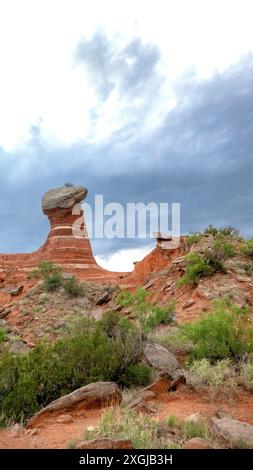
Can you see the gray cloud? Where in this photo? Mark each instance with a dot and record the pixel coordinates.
(131, 70)
(201, 155)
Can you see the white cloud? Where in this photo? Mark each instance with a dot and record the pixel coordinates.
(122, 260)
(38, 38)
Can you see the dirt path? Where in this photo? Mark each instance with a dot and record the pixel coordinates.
(181, 404)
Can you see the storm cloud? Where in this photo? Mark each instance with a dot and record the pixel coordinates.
(200, 153)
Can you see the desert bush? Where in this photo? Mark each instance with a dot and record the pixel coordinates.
(219, 376)
(75, 288)
(211, 261)
(45, 269)
(52, 282)
(224, 249)
(2, 336)
(228, 231)
(196, 267)
(135, 375)
(148, 315)
(193, 238)
(247, 248)
(247, 375)
(224, 332)
(86, 354)
(141, 430)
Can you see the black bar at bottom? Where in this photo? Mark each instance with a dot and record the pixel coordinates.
(68, 458)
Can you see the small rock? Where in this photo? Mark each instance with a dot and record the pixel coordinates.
(83, 302)
(193, 418)
(67, 276)
(15, 290)
(39, 332)
(19, 347)
(31, 432)
(65, 419)
(103, 298)
(60, 324)
(189, 303)
(243, 279)
(197, 443)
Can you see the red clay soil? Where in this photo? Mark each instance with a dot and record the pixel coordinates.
(181, 404)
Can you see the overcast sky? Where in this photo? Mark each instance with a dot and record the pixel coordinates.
(136, 100)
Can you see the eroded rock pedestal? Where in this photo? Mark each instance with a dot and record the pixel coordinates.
(68, 245)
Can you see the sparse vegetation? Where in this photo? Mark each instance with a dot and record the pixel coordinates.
(53, 282)
(247, 248)
(141, 430)
(247, 375)
(209, 262)
(225, 332)
(219, 377)
(2, 336)
(75, 288)
(193, 238)
(191, 429)
(86, 354)
(228, 231)
(146, 313)
(196, 267)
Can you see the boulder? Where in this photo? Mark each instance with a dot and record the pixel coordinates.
(233, 432)
(164, 362)
(105, 443)
(94, 395)
(64, 198)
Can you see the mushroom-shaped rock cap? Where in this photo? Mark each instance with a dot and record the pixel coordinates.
(63, 198)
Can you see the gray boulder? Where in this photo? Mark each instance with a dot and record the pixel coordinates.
(235, 433)
(63, 198)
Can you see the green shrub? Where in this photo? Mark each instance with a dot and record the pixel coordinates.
(136, 375)
(86, 354)
(228, 231)
(46, 269)
(148, 315)
(247, 375)
(247, 248)
(196, 268)
(223, 249)
(193, 238)
(75, 288)
(224, 332)
(52, 282)
(191, 429)
(2, 336)
(171, 421)
(219, 376)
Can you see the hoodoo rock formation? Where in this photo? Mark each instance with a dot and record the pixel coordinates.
(68, 245)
